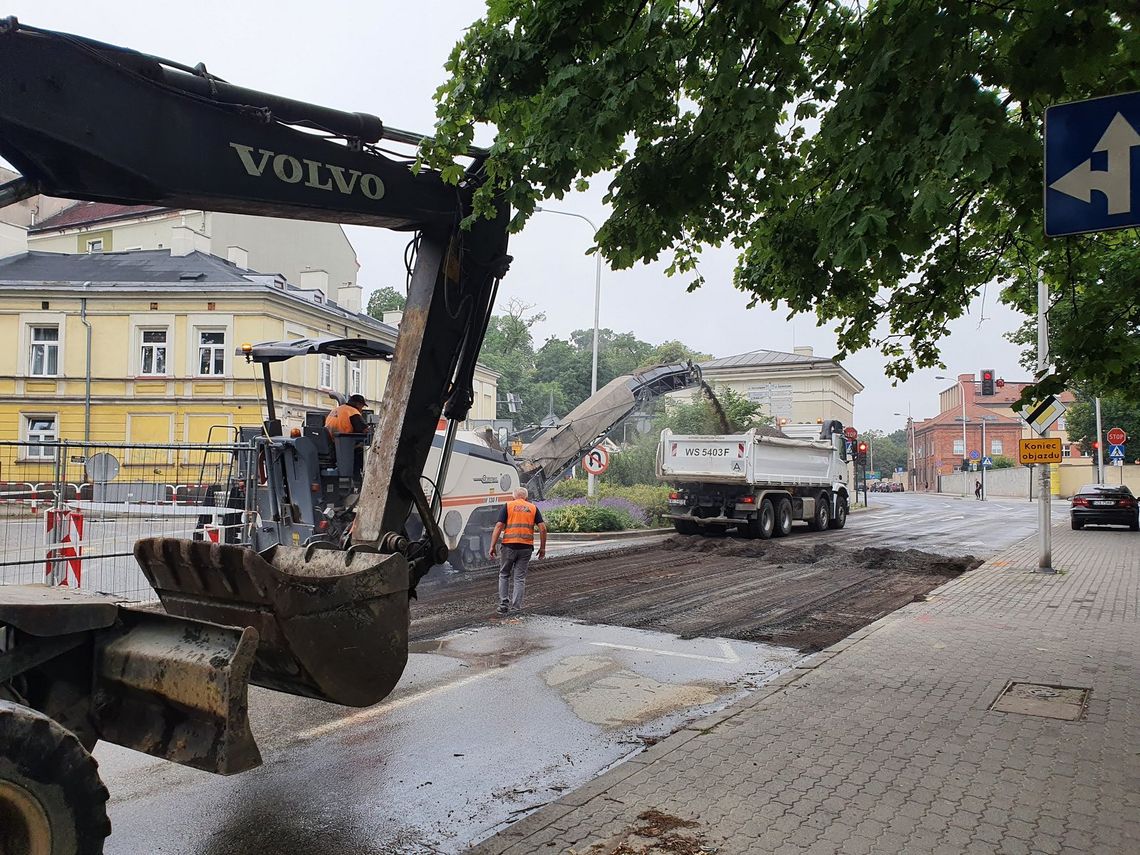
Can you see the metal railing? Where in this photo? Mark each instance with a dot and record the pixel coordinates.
(71, 512)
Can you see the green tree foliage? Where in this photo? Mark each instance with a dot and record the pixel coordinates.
(561, 368)
(637, 461)
(385, 300)
(889, 450)
(1115, 411)
(878, 164)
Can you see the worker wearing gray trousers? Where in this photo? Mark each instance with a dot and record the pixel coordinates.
(517, 522)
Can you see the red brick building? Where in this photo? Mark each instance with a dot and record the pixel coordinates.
(937, 443)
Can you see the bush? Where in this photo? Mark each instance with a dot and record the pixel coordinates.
(587, 518)
(568, 488)
(653, 499)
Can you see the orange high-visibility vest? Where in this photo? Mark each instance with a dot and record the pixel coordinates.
(520, 523)
(340, 420)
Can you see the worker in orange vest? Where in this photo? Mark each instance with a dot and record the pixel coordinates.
(517, 522)
(348, 417)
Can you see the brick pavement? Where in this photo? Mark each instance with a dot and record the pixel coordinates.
(885, 742)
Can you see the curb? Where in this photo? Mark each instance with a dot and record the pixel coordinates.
(587, 536)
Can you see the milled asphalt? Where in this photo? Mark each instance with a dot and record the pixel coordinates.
(886, 742)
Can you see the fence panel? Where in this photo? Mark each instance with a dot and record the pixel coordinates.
(71, 512)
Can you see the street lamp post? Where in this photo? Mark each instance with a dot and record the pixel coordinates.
(590, 489)
(962, 396)
(912, 466)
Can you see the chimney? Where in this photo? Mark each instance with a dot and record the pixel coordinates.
(348, 296)
(393, 319)
(315, 280)
(238, 257)
(804, 350)
(184, 240)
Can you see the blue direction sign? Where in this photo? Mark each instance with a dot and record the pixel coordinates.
(1116, 452)
(987, 462)
(1090, 148)
(974, 455)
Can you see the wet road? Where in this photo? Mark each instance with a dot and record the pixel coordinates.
(946, 525)
(487, 724)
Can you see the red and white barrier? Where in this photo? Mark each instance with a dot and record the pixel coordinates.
(65, 547)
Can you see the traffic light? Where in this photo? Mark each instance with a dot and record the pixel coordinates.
(987, 381)
(861, 451)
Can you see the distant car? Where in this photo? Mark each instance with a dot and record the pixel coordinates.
(1104, 504)
(896, 487)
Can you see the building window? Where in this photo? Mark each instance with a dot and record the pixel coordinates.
(959, 448)
(211, 353)
(40, 429)
(324, 380)
(1060, 425)
(153, 361)
(995, 446)
(95, 245)
(45, 351)
(355, 378)
(1066, 451)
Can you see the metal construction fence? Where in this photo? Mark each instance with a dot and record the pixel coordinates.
(71, 512)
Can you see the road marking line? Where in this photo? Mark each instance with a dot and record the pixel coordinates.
(399, 703)
(730, 656)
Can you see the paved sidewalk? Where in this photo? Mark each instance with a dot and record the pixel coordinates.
(885, 743)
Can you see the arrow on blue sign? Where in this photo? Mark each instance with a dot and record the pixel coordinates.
(1116, 452)
(1089, 180)
(988, 462)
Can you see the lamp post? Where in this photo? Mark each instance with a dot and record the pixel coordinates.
(590, 489)
(912, 466)
(962, 396)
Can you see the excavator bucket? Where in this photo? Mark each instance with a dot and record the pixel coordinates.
(332, 625)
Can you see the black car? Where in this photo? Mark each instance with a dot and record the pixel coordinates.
(1104, 504)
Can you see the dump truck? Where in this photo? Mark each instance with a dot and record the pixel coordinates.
(85, 120)
(757, 483)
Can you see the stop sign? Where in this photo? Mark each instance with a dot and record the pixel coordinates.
(852, 434)
(1117, 436)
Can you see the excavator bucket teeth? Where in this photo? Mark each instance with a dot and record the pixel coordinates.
(333, 625)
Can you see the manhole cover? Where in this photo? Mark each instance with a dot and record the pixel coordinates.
(1064, 702)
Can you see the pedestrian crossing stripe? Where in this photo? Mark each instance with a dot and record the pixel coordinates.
(1042, 415)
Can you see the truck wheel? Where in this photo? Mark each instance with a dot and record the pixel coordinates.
(51, 799)
(685, 527)
(840, 518)
(783, 518)
(764, 523)
(821, 519)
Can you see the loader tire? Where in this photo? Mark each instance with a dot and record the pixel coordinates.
(52, 801)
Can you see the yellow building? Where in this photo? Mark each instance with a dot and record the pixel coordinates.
(797, 387)
(140, 347)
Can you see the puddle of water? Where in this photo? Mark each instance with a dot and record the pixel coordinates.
(600, 691)
(499, 657)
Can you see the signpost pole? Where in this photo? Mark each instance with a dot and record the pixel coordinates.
(1099, 446)
(983, 464)
(1044, 535)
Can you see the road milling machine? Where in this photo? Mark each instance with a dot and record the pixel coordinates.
(85, 120)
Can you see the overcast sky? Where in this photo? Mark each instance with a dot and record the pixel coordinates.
(386, 58)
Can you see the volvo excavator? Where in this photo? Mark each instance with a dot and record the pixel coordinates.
(85, 120)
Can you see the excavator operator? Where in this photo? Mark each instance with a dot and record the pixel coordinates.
(348, 417)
